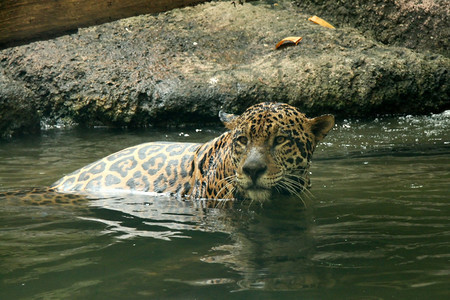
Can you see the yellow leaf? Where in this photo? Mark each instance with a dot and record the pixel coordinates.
(289, 40)
(321, 22)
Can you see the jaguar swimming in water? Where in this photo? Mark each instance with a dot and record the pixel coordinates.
(266, 150)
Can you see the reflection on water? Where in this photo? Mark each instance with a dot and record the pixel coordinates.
(376, 227)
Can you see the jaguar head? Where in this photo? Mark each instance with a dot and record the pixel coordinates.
(271, 148)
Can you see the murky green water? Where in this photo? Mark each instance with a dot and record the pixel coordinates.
(378, 226)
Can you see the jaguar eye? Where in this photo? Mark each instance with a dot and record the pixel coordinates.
(242, 140)
(280, 140)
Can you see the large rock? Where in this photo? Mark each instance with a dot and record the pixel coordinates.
(18, 113)
(184, 65)
(415, 24)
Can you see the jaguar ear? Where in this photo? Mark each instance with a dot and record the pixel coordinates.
(321, 125)
(227, 119)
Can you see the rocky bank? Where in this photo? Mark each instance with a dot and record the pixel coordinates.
(184, 65)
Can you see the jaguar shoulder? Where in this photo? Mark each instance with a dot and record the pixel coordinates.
(266, 150)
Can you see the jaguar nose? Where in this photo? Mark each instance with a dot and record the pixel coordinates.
(254, 169)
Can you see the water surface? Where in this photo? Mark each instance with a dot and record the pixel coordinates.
(376, 226)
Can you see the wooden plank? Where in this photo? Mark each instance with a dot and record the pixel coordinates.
(28, 20)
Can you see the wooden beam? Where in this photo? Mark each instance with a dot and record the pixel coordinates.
(23, 21)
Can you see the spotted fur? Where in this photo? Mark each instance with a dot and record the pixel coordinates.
(266, 150)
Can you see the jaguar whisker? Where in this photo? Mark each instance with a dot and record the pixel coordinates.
(291, 189)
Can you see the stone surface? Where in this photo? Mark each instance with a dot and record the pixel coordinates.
(183, 66)
(18, 113)
(415, 24)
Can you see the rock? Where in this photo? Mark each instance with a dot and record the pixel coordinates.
(17, 109)
(415, 24)
(183, 66)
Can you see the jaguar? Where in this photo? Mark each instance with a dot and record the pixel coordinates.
(266, 150)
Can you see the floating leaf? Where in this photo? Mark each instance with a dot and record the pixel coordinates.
(289, 40)
(321, 22)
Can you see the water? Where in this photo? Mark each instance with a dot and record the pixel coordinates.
(377, 226)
